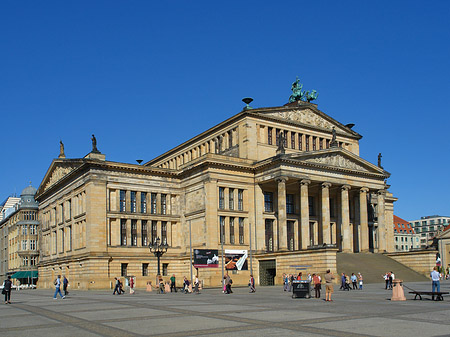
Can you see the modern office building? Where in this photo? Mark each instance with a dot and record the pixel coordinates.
(428, 227)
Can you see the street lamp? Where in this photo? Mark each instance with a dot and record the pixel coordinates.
(158, 249)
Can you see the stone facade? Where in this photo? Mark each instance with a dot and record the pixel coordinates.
(291, 205)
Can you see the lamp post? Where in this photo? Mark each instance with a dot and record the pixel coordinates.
(158, 249)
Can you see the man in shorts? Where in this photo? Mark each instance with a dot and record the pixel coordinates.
(329, 277)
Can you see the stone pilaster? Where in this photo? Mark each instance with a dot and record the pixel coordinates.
(304, 213)
(381, 222)
(345, 216)
(325, 214)
(281, 222)
(363, 220)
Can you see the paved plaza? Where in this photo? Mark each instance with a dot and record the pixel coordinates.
(268, 312)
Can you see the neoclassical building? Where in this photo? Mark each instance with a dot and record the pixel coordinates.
(286, 184)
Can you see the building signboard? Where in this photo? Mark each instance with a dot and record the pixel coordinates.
(236, 259)
(206, 258)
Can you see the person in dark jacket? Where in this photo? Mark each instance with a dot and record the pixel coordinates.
(7, 286)
(65, 285)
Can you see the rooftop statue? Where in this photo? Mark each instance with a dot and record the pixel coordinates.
(299, 95)
(311, 96)
(61, 150)
(379, 160)
(94, 144)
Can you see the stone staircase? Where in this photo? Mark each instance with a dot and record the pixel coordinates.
(372, 266)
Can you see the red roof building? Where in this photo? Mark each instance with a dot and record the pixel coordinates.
(404, 235)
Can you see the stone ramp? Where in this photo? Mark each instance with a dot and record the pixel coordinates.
(372, 266)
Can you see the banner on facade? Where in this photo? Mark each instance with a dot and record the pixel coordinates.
(236, 259)
(206, 258)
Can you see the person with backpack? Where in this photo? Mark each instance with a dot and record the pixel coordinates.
(7, 286)
(65, 285)
(117, 286)
(57, 284)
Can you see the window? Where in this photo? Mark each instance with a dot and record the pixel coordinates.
(221, 229)
(123, 232)
(24, 244)
(221, 198)
(300, 142)
(33, 261)
(311, 205)
(240, 200)
(144, 237)
(25, 260)
(269, 135)
(33, 229)
(269, 235)
(124, 267)
(145, 269)
(32, 244)
(241, 231)
(232, 230)
(164, 232)
(289, 203)
(292, 140)
(153, 203)
(306, 143)
(165, 268)
(133, 201)
(231, 198)
(320, 143)
(69, 208)
(123, 200)
(143, 202)
(277, 137)
(154, 230)
(230, 138)
(285, 140)
(24, 230)
(62, 212)
(290, 235)
(163, 204)
(268, 201)
(332, 210)
(314, 140)
(134, 232)
(62, 239)
(69, 228)
(327, 143)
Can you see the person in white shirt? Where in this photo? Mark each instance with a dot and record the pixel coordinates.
(435, 284)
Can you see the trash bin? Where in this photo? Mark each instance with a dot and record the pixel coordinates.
(301, 289)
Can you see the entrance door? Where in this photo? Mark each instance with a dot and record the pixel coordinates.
(267, 272)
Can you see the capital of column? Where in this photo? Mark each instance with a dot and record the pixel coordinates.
(345, 187)
(364, 190)
(305, 182)
(281, 180)
(381, 192)
(326, 185)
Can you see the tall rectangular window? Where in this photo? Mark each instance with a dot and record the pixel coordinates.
(290, 208)
(314, 140)
(33, 230)
(240, 200)
(165, 269)
(268, 201)
(145, 269)
(269, 135)
(332, 210)
(231, 198)
(277, 137)
(69, 228)
(144, 233)
(123, 232)
(221, 229)
(241, 231)
(33, 261)
(285, 140)
(24, 230)
(123, 201)
(25, 261)
(124, 269)
(133, 201)
(62, 239)
(327, 143)
(221, 198)
(269, 235)
(164, 232)
(311, 206)
(290, 235)
(320, 143)
(24, 244)
(163, 204)
(153, 203)
(300, 142)
(306, 143)
(154, 230)
(134, 232)
(62, 212)
(69, 209)
(292, 140)
(231, 230)
(230, 138)
(143, 202)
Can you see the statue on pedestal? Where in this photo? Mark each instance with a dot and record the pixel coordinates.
(94, 144)
(61, 150)
(379, 160)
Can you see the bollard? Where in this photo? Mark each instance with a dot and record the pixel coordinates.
(397, 291)
(149, 286)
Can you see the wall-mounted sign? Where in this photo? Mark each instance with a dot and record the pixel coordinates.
(236, 259)
(206, 258)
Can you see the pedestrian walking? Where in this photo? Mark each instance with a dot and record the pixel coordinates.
(435, 282)
(317, 285)
(196, 285)
(7, 286)
(251, 284)
(57, 284)
(360, 278)
(228, 282)
(65, 285)
(117, 286)
(173, 284)
(342, 282)
(131, 285)
(329, 277)
(354, 280)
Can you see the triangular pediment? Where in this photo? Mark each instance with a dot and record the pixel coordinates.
(307, 114)
(338, 158)
(59, 169)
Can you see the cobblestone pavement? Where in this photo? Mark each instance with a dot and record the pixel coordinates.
(268, 312)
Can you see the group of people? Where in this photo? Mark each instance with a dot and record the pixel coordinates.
(388, 278)
(65, 283)
(118, 288)
(289, 278)
(353, 282)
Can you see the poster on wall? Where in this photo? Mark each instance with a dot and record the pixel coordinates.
(206, 258)
(236, 259)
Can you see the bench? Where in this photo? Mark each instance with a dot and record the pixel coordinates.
(438, 294)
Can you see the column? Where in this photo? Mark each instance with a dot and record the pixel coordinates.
(281, 221)
(381, 222)
(325, 214)
(304, 213)
(345, 216)
(363, 220)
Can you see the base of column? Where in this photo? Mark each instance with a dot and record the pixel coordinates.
(347, 251)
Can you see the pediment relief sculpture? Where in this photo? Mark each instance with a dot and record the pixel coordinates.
(57, 174)
(337, 161)
(305, 116)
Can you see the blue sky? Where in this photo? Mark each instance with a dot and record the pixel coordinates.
(124, 70)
